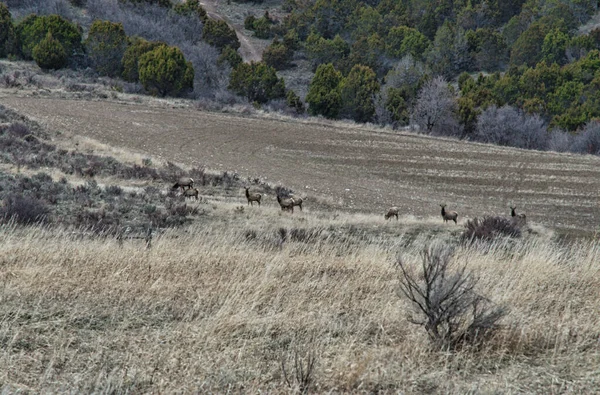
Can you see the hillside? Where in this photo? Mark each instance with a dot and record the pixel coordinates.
(353, 168)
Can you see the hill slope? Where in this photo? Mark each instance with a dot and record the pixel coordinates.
(357, 168)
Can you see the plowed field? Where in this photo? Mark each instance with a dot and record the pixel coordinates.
(360, 169)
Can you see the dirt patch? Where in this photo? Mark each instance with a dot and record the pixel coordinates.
(363, 170)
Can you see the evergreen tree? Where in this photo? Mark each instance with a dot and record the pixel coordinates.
(358, 91)
(324, 92)
(164, 71)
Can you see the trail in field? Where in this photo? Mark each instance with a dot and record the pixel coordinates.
(362, 170)
(247, 50)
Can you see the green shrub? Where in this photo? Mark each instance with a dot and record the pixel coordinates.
(130, 61)
(277, 55)
(162, 3)
(230, 56)
(294, 102)
(164, 71)
(249, 22)
(33, 29)
(8, 38)
(191, 8)
(106, 45)
(50, 54)
(324, 93)
(257, 82)
(357, 91)
(219, 34)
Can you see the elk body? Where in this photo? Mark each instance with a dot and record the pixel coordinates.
(192, 192)
(253, 197)
(287, 204)
(393, 211)
(520, 218)
(297, 201)
(449, 215)
(184, 183)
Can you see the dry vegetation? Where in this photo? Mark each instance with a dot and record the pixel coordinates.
(247, 298)
(217, 308)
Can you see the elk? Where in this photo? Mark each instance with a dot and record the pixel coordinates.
(183, 183)
(252, 197)
(287, 204)
(297, 201)
(393, 211)
(448, 215)
(521, 218)
(192, 192)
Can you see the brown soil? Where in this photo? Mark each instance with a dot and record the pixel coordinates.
(363, 170)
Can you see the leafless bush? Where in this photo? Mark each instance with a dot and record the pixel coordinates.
(490, 228)
(435, 109)
(301, 375)
(587, 141)
(511, 127)
(560, 141)
(24, 209)
(445, 301)
(22, 8)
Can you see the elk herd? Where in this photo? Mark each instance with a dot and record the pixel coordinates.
(287, 203)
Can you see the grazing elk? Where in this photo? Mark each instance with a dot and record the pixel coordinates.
(393, 211)
(184, 183)
(192, 192)
(449, 215)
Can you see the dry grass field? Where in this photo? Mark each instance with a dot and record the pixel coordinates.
(356, 168)
(220, 305)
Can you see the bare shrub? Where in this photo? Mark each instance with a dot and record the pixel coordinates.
(445, 301)
(24, 209)
(587, 141)
(301, 375)
(511, 127)
(559, 141)
(490, 228)
(435, 109)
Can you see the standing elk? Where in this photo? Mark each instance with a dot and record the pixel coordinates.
(287, 204)
(519, 218)
(448, 215)
(252, 197)
(192, 192)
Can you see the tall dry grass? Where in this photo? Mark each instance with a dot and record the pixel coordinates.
(217, 307)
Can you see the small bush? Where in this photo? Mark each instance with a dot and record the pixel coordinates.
(277, 55)
(445, 301)
(33, 29)
(294, 102)
(24, 210)
(130, 61)
(230, 56)
(219, 34)
(257, 81)
(490, 228)
(50, 54)
(8, 37)
(164, 71)
(106, 45)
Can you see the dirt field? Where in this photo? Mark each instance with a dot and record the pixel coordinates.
(362, 170)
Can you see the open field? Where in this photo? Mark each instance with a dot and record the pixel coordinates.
(354, 167)
(217, 308)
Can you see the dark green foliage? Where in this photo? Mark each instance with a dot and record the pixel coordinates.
(249, 22)
(162, 3)
(257, 82)
(403, 40)
(397, 106)
(291, 40)
(357, 91)
(366, 51)
(191, 8)
(294, 102)
(230, 56)
(277, 55)
(488, 48)
(554, 47)
(321, 50)
(8, 38)
(106, 45)
(527, 50)
(218, 34)
(164, 71)
(324, 96)
(450, 54)
(50, 54)
(33, 29)
(262, 26)
(130, 61)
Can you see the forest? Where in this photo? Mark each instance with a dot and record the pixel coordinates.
(518, 73)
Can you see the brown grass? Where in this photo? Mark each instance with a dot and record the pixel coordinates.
(212, 309)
